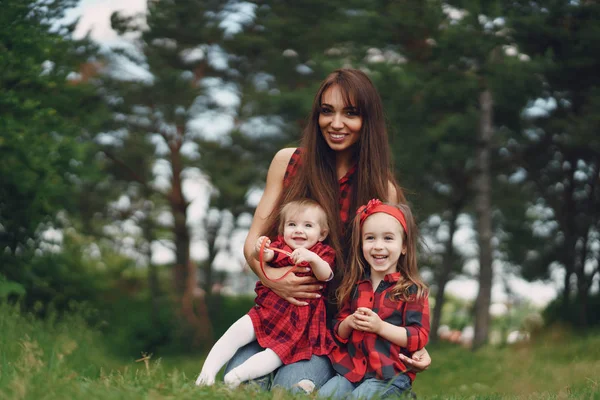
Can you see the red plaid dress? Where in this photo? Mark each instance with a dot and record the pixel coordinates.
(294, 333)
(345, 183)
(365, 354)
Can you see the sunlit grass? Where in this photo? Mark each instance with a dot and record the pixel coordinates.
(63, 359)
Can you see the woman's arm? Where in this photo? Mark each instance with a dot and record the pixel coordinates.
(292, 286)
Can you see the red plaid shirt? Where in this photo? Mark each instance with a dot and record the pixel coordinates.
(365, 354)
(293, 332)
(345, 183)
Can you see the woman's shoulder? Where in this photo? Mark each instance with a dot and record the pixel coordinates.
(283, 156)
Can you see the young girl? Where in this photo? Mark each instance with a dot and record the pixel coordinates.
(288, 333)
(384, 307)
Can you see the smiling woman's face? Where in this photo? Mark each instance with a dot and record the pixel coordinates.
(340, 124)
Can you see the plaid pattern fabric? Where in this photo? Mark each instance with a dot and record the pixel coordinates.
(366, 355)
(294, 333)
(345, 183)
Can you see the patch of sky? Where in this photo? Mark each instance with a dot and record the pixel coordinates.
(235, 16)
(533, 135)
(193, 55)
(160, 146)
(262, 126)
(518, 176)
(304, 69)
(262, 81)
(190, 150)
(540, 108)
(442, 188)
(254, 195)
(212, 125)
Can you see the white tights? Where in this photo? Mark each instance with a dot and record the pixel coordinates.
(238, 335)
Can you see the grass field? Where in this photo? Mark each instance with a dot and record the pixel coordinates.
(66, 360)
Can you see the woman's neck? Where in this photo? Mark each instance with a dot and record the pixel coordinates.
(344, 160)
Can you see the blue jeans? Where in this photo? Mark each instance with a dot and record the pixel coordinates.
(339, 387)
(300, 377)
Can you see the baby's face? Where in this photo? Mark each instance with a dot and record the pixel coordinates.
(302, 229)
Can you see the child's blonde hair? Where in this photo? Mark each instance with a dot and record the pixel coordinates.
(295, 206)
(407, 263)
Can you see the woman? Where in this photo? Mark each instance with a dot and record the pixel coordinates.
(343, 162)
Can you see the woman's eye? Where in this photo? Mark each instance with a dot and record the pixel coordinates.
(325, 110)
(352, 113)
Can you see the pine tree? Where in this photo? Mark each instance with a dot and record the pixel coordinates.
(45, 120)
(176, 42)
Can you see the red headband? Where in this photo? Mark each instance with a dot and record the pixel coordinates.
(376, 206)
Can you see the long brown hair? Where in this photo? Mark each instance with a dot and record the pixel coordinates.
(407, 263)
(316, 177)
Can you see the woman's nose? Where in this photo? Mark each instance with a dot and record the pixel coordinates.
(337, 122)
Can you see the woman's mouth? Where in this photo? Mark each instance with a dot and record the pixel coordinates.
(337, 137)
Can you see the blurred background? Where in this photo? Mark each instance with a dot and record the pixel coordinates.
(135, 137)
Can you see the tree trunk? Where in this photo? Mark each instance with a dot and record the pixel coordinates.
(585, 281)
(483, 210)
(153, 284)
(211, 238)
(193, 307)
(583, 284)
(444, 275)
(566, 220)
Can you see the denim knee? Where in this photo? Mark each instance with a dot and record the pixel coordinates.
(304, 376)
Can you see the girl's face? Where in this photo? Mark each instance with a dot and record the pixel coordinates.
(340, 125)
(382, 243)
(303, 229)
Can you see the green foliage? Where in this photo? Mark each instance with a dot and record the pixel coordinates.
(10, 288)
(56, 279)
(63, 358)
(132, 326)
(40, 148)
(225, 310)
(557, 313)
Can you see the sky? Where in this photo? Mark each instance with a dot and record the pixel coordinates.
(95, 18)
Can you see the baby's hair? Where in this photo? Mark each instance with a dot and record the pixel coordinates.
(407, 263)
(294, 206)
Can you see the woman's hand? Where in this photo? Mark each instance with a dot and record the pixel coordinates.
(292, 288)
(419, 361)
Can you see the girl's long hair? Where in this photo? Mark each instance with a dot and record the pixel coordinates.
(407, 263)
(316, 177)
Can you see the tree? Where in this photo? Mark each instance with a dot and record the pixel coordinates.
(44, 119)
(560, 152)
(176, 45)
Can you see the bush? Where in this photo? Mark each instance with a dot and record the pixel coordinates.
(556, 313)
(225, 310)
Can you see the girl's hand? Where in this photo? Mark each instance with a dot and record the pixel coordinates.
(301, 255)
(268, 254)
(367, 320)
(419, 361)
(292, 288)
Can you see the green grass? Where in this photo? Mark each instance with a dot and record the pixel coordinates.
(63, 359)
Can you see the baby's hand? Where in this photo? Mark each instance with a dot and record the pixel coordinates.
(302, 255)
(268, 254)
